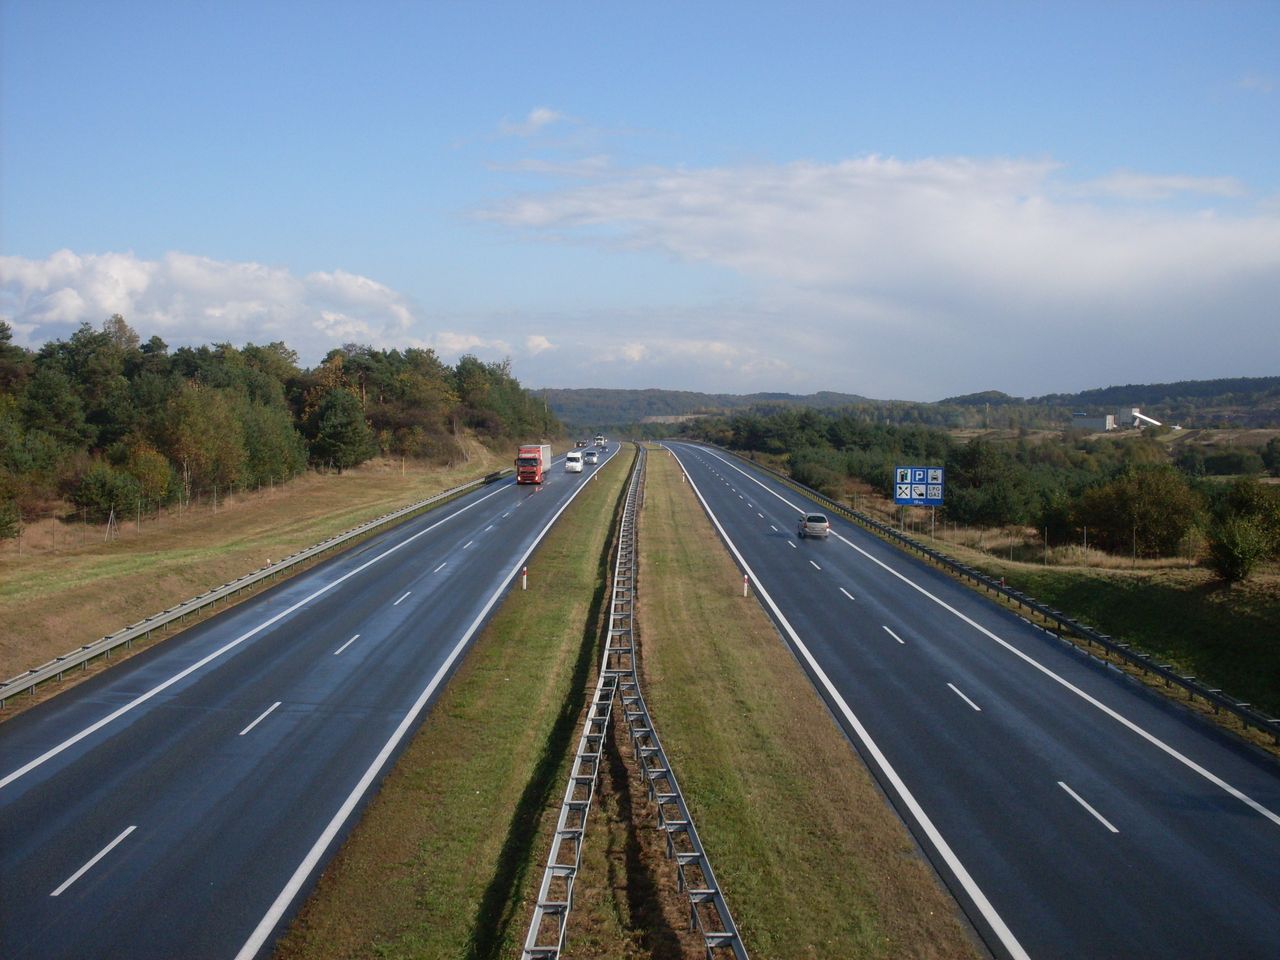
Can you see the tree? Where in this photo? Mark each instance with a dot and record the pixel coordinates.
(1147, 509)
(104, 488)
(205, 437)
(51, 405)
(1236, 546)
(341, 437)
(1271, 456)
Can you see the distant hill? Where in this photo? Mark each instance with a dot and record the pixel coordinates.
(599, 407)
(1238, 401)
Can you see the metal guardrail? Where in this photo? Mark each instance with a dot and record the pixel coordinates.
(1064, 627)
(708, 912)
(56, 667)
(549, 926)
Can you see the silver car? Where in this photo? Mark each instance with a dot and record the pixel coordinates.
(814, 525)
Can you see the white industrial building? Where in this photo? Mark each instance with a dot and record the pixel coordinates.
(1123, 419)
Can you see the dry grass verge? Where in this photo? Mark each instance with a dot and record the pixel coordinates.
(445, 859)
(813, 861)
(60, 601)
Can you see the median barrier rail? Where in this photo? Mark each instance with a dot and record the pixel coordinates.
(708, 911)
(55, 668)
(1064, 627)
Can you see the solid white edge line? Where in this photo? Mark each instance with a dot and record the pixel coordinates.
(956, 691)
(264, 715)
(998, 926)
(402, 599)
(182, 674)
(347, 644)
(101, 853)
(1080, 800)
(281, 904)
(1113, 714)
(895, 636)
(847, 593)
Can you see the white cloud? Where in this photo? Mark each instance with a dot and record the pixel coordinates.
(941, 275)
(452, 343)
(189, 299)
(536, 343)
(538, 119)
(1258, 83)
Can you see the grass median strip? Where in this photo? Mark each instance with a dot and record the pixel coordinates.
(812, 860)
(442, 861)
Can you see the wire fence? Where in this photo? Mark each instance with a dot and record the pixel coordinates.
(40, 533)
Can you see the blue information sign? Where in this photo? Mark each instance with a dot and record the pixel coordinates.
(917, 486)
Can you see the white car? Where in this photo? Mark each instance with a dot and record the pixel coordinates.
(573, 462)
(590, 456)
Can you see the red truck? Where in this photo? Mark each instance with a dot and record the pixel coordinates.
(532, 462)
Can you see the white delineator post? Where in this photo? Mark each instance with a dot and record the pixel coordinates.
(524, 579)
(745, 582)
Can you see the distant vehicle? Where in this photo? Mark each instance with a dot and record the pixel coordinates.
(573, 462)
(533, 460)
(814, 525)
(582, 443)
(600, 441)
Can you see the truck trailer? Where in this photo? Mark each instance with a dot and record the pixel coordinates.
(533, 461)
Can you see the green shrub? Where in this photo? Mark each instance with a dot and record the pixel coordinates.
(1236, 546)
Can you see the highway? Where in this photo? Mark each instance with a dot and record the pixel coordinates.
(182, 803)
(1072, 812)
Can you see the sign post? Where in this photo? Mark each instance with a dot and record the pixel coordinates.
(918, 486)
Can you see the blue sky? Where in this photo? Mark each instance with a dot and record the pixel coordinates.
(902, 201)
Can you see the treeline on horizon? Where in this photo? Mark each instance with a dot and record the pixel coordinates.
(104, 420)
(1130, 493)
(1228, 402)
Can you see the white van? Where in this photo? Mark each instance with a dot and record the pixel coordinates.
(573, 462)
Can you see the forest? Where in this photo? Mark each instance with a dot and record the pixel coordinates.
(1127, 495)
(103, 420)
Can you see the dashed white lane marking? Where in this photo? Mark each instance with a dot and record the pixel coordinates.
(1080, 800)
(488, 528)
(846, 593)
(773, 528)
(231, 645)
(290, 891)
(401, 600)
(956, 691)
(467, 544)
(999, 927)
(1037, 665)
(347, 644)
(101, 853)
(894, 635)
(760, 515)
(792, 545)
(441, 567)
(265, 713)
(814, 565)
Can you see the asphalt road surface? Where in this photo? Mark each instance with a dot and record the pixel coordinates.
(1072, 812)
(182, 803)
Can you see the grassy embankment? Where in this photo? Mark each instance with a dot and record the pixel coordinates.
(1228, 637)
(812, 860)
(446, 855)
(90, 587)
